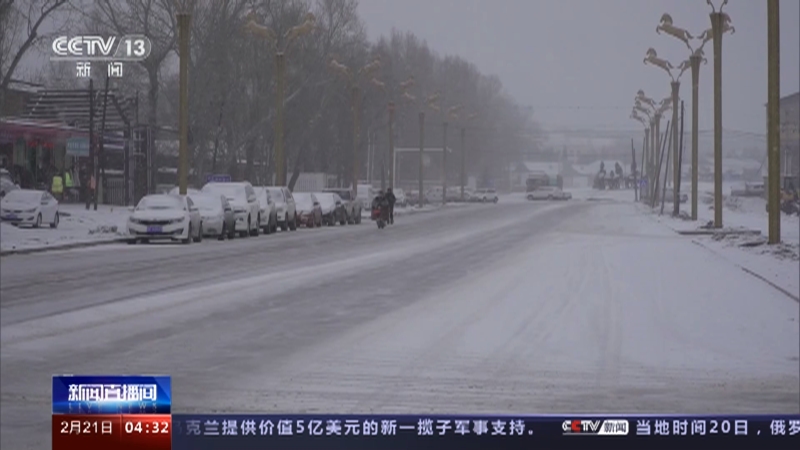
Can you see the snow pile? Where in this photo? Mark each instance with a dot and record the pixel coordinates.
(76, 225)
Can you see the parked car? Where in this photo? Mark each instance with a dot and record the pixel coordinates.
(548, 193)
(352, 206)
(487, 195)
(402, 201)
(332, 206)
(669, 195)
(364, 194)
(164, 216)
(269, 211)
(216, 215)
(286, 210)
(309, 211)
(6, 183)
(29, 207)
(244, 202)
(189, 191)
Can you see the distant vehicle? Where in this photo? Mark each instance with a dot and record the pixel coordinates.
(216, 215)
(244, 202)
(286, 210)
(750, 190)
(333, 209)
(269, 210)
(29, 207)
(309, 211)
(177, 191)
(402, 201)
(669, 195)
(364, 194)
(548, 193)
(487, 195)
(163, 216)
(352, 206)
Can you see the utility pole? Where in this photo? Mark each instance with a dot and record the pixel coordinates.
(676, 169)
(773, 121)
(88, 188)
(444, 163)
(356, 133)
(421, 153)
(716, 27)
(694, 60)
(184, 22)
(391, 144)
(280, 79)
(463, 164)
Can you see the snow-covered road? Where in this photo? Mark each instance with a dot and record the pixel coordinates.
(509, 308)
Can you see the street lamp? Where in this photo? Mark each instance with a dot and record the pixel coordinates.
(404, 87)
(464, 152)
(431, 103)
(653, 59)
(279, 45)
(649, 105)
(693, 63)
(646, 124)
(720, 24)
(354, 78)
(451, 113)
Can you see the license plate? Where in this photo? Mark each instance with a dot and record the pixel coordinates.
(154, 229)
(10, 217)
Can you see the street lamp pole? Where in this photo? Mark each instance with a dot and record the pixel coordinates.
(720, 22)
(464, 154)
(280, 78)
(773, 121)
(421, 152)
(184, 22)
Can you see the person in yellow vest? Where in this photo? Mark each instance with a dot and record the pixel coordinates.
(57, 187)
(68, 184)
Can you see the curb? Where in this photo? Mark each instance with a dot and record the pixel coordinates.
(25, 251)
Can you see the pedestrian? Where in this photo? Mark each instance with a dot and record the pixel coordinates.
(392, 200)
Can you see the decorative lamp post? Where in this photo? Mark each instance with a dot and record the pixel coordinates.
(279, 44)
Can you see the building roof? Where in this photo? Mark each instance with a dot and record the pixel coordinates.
(790, 97)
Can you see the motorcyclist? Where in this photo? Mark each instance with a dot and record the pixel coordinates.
(391, 199)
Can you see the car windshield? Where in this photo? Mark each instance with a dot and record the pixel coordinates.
(207, 202)
(303, 201)
(230, 191)
(325, 199)
(277, 194)
(158, 202)
(23, 196)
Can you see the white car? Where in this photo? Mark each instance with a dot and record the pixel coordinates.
(244, 202)
(400, 195)
(548, 193)
(285, 207)
(269, 211)
(164, 216)
(486, 195)
(29, 207)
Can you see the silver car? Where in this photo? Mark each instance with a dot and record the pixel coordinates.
(269, 210)
(216, 215)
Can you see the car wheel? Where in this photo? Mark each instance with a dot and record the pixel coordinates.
(55, 221)
(293, 224)
(223, 232)
(285, 225)
(188, 239)
(343, 220)
(131, 241)
(358, 218)
(38, 222)
(232, 231)
(199, 237)
(257, 229)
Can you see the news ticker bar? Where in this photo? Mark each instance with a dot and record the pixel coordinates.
(300, 432)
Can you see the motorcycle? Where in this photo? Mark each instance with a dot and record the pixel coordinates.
(380, 214)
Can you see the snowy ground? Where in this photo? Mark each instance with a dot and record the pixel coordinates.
(76, 225)
(518, 307)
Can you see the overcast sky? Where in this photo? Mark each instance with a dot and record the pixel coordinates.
(557, 55)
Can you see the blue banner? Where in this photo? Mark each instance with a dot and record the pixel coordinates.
(112, 394)
(331, 432)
